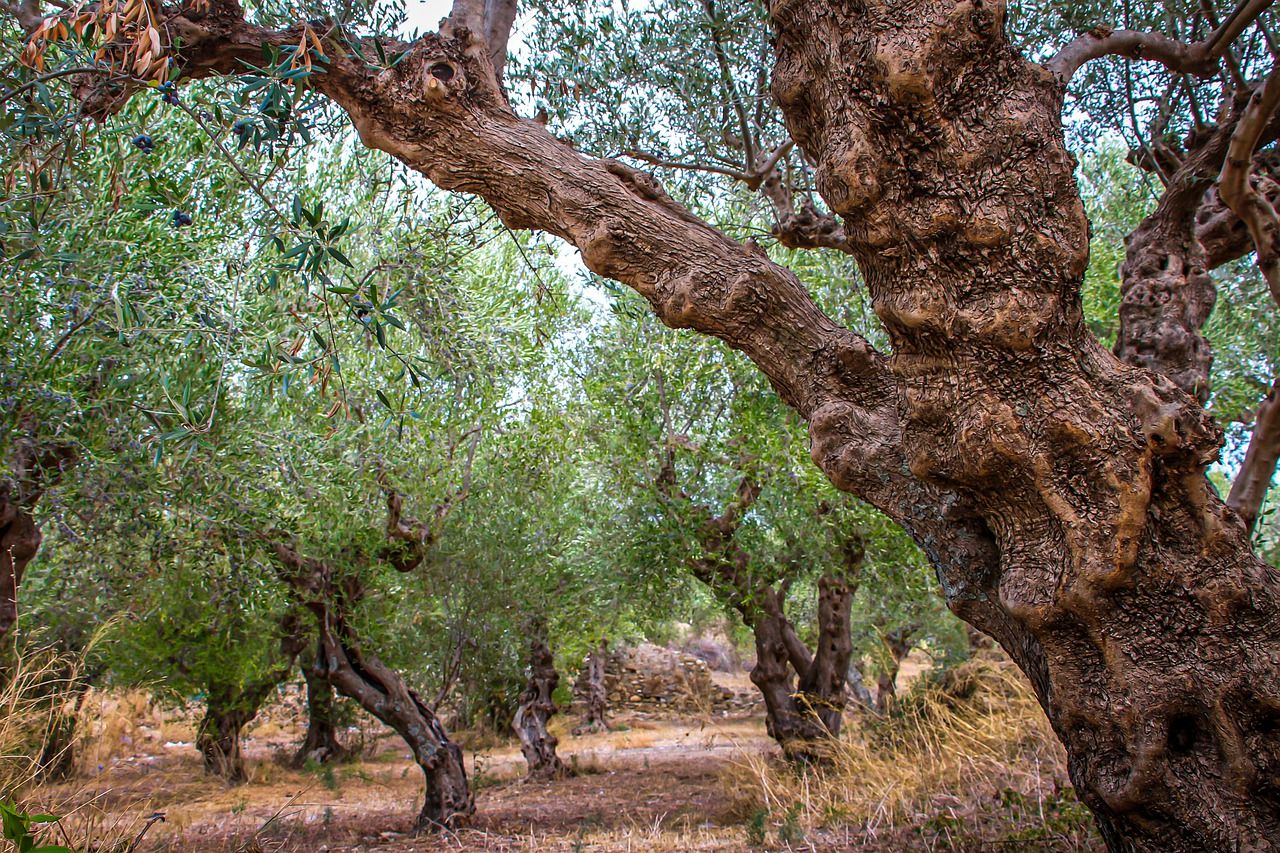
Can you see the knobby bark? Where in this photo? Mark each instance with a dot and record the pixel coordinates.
(1060, 493)
(1126, 587)
(321, 744)
(537, 707)
(596, 696)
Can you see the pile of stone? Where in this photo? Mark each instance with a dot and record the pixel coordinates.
(651, 679)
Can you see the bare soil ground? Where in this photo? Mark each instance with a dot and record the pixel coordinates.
(661, 785)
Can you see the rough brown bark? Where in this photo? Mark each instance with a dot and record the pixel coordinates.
(1250, 487)
(1060, 493)
(19, 541)
(597, 697)
(1089, 474)
(35, 467)
(321, 744)
(537, 707)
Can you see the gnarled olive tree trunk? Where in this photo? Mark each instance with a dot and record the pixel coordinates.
(230, 707)
(595, 695)
(321, 744)
(378, 689)
(804, 692)
(537, 707)
(1060, 493)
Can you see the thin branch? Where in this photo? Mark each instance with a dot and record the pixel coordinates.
(654, 160)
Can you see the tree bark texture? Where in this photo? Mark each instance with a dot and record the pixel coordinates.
(1060, 493)
(597, 696)
(537, 707)
(380, 690)
(321, 745)
(35, 467)
(19, 541)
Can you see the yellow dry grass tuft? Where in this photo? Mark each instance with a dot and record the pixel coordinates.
(965, 759)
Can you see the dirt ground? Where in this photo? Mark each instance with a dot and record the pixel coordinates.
(649, 785)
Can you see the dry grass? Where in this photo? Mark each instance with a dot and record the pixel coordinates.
(35, 690)
(964, 761)
(38, 692)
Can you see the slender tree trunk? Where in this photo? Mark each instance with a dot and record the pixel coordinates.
(897, 644)
(596, 696)
(1254, 480)
(320, 746)
(537, 707)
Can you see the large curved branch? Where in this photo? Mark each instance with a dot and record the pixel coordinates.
(1234, 186)
(1200, 58)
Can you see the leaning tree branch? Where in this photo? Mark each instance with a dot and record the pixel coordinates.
(1200, 58)
(1238, 193)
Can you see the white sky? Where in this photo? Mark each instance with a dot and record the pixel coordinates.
(425, 15)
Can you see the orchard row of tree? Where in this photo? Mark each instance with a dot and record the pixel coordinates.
(380, 431)
(372, 437)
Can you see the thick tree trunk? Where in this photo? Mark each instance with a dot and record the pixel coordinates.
(1120, 583)
(1060, 493)
(218, 736)
(447, 801)
(537, 707)
(822, 684)
(19, 542)
(596, 696)
(321, 745)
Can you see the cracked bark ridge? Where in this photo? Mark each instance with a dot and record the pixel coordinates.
(1149, 628)
(536, 708)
